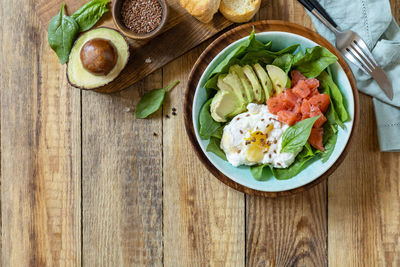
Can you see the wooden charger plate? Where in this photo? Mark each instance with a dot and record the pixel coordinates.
(214, 49)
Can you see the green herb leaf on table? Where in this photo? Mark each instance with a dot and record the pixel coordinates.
(296, 136)
(260, 172)
(207, 125)
(90, 13)
(314, 61)
(214, 147)
(152, 101)
(61, 34)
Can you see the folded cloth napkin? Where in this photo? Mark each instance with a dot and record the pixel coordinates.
(373, 21)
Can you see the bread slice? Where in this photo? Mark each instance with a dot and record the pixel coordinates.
(203, 10)
(239, 10)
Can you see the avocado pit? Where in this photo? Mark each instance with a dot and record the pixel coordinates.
(98, 56)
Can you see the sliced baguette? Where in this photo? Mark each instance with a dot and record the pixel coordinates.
(239, 10)
(203, 10)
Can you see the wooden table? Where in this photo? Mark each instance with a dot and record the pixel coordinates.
(84, 183)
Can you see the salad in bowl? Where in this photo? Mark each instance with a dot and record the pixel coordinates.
(271, 112)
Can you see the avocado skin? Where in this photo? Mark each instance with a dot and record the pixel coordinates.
(99, 88)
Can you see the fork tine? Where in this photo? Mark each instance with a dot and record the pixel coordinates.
(366, 58)
(360, 42)
(361, 59)
(347, 53)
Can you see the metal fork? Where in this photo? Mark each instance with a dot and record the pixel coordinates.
(352, 47)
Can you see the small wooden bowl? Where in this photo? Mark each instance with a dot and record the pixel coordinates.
(117, 18)
(213, 50)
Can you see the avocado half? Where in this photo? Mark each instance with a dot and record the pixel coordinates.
(80, 77)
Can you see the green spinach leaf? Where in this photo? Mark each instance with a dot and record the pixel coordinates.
(296, 136)
(207, 125)
(260, 172)
(290, 49)
(284, 62)
(88, 15)
(330, 138)
(152, 101)
(336, 96)
(61, 34)
(214, 147)
(314, 61)
(300, 164)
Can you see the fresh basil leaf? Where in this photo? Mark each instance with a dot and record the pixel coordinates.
(152, 101)
(284, 62)
(296, 136)
(260, 172)
(207, 125)
(330, 138)
(337, 100)
(294, 169)
(90, 13)
(61, 34)
(314, 61)
(214, 147)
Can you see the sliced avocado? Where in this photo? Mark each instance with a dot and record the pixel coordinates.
(97, 58)
(245, 82)
(234, 82)
(224, 81)
(265, 80)
(223, 85)
(278, 77)
(257, 89)
(224, 104)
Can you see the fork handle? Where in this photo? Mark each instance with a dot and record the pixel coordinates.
(314, 7)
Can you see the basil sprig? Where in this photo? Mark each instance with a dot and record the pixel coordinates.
(61, 34)
(152, 101)
(296, 136)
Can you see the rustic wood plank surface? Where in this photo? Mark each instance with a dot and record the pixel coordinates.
(83, 183)
(121, 180)
(203, 219)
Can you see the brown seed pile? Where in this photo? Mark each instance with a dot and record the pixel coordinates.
(141, 16)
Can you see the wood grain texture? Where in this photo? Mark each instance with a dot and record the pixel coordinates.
(40, 148)
(364, 202)
(364, 198)
(122, 180)
(203, 219)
